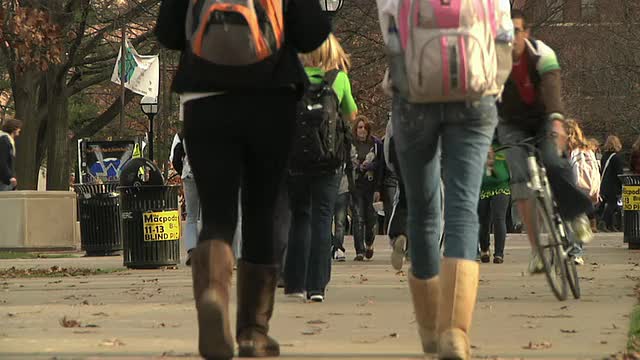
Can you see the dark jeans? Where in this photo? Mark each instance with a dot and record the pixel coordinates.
(388, 197)
(232, 146)
(610, 207)
(572, 202)
(340, 220)
(364, 216)
(308, 265)
(493, 210)
(398, 217)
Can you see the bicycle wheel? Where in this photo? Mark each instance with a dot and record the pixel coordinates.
(549, 248)
(572, 270)
(572, 276)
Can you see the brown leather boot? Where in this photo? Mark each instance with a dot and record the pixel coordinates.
(458, 292)
(212, 268)
(425, 295)
(256, 292)
(594, 225)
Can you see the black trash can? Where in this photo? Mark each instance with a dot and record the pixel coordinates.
(99, 213)
(631, 209)
(150, 218)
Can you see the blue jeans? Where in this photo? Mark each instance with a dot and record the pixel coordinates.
(308, 265)
(455, 136)
(340, 220)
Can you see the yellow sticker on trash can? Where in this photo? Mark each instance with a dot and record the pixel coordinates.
(161, 225)
(631, 198)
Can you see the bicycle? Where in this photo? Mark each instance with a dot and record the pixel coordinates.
(554, 240)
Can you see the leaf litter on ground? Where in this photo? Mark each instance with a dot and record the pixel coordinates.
(54, 271)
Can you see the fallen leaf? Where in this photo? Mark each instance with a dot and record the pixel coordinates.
(401, 273)
(394, 335)
(69, 323)
(11, 315)
(100, 314)
(568, 331)
(111, 342)
(312, 331)
(538, 346)
(335, 314)
(564, 308)
(84, 332)
(604, 342)
(315, 322)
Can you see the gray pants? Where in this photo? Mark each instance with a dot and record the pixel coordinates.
(192, 202)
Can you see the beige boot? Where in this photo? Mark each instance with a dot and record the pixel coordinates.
(458, 291)
(212, 268)
(256, 293)
(425, 295)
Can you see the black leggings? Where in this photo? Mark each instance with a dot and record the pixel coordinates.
(242, 141)
(493, 211)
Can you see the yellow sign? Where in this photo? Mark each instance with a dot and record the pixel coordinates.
(161, 225)
(631, 198)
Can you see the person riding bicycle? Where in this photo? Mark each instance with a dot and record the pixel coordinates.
(531, 106)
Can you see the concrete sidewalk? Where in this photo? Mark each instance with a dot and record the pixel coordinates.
(367, 313)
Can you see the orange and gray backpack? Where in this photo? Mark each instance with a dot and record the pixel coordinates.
(239, 40)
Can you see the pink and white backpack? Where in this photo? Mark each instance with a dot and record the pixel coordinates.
(453, 50)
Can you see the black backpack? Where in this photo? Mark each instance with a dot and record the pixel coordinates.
(322, 139)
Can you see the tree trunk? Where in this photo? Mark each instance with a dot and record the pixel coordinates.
(28, 88)
(57, 131)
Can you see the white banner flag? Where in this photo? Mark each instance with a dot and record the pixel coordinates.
(142, 74)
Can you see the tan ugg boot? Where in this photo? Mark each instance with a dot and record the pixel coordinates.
(458, 292)
(256, 293)
(426, 295)
(212, 268)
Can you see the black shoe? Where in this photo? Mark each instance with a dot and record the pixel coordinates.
(498, 259)
(359, 257)
(188, 262)
(368, 253)
(485, 258)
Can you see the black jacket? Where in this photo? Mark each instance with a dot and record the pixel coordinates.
(7, 157)
(611, 185)
(306, 28)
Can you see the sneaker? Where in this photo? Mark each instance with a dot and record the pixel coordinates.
(485, 257)
(368, 253)
(578, 260)
(296, 295)
(498, 259)
(582, 228)
(359, 257)
(317, 298)
(398, 253)
(535, 264)
(339, 256)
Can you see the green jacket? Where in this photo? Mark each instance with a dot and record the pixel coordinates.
(498, 182)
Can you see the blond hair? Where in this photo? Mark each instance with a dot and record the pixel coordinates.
(329, 56)
(594, 144)
(612, 144)
(575, 137)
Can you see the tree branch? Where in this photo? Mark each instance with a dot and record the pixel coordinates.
(103, 119)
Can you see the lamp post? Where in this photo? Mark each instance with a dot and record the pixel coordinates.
(149, 106)
(331, 7)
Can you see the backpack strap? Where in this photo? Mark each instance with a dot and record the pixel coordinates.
(331, 76)
(606, 165)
